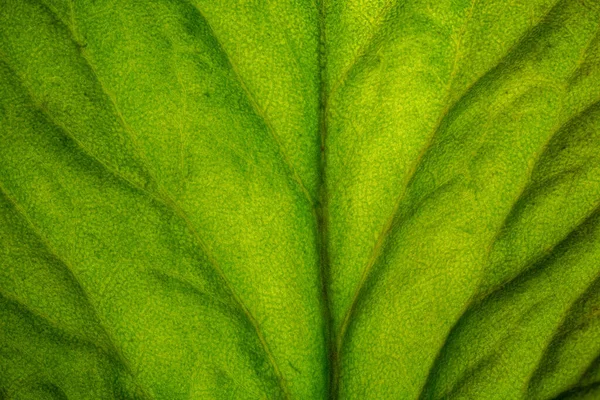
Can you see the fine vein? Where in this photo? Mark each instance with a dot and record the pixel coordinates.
(164, 198)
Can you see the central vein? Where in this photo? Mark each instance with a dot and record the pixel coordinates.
(321, 209)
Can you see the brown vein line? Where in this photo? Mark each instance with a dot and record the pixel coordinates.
(70, 270)
(165, 199)
(377, 249)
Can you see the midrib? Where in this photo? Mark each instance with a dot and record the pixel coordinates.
(331, 363)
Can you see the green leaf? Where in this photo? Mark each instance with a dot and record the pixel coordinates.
(294, 199)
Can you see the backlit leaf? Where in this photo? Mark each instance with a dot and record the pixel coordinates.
(300, 199)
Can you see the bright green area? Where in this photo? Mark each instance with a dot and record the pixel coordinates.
(299, 199)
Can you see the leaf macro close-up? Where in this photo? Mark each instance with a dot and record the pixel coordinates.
(300, 199)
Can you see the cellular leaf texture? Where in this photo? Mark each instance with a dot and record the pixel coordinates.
(299, 199)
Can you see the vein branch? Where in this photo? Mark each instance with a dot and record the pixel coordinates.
(74, 277)
(258, 110)
(163, 197)
(377, 251)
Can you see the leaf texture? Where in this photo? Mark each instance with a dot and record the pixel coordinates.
(375, 199)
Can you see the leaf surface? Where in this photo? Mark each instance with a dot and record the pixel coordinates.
(299, 200)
